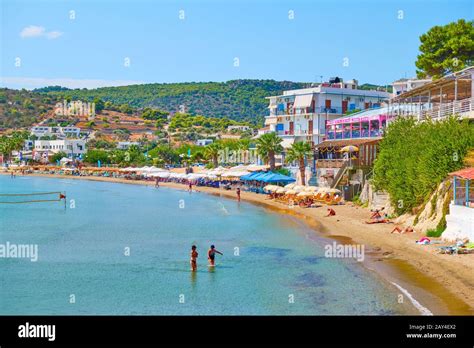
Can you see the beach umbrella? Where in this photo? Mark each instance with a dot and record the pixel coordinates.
(256, 167)
(280, 190)
(217, 171)
(271, 188)
(305, 194)
(291, 192)
(162, 174)
(333, 190)
(250, 176)
(311, 188)
(276, 177)
(290, 186)
(299, 188)
(349, 148)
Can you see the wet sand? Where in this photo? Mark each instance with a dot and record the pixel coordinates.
(442, 283)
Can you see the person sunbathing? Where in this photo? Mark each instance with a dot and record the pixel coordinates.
(331, 212)
(408, 229)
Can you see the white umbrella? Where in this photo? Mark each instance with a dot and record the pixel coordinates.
(271, 188)
(235, 173)
(160, 175)
(280, 190)
(217, 171)
(311, 188)
(291, 192)
(290, 186)
(305, 194)
(298, 188)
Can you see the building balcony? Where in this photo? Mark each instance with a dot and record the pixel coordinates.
(355, 134)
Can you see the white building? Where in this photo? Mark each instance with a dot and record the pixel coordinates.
(124, 145)
(240, 128)
(301, 115)
(203, 142)
(60, 132)
(405, 85)
(72, 147)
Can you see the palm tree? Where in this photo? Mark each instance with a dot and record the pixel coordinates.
(298, 152)
(211, 152)
(267, 146)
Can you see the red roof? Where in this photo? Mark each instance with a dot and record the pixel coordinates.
(467, 173)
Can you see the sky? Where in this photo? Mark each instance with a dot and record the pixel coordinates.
(87, 44)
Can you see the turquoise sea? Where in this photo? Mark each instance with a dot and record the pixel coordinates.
(272, 263)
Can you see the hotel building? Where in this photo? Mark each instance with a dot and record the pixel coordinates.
(302, 114)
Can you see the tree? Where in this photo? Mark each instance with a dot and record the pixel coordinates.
(99, 105)
(92, 156)
(90, 124)
(58, 156)
(446, 49)
(267, 146)
(298, 152)
(154, 114)
(211, 152)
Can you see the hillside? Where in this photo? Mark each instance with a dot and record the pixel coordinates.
(22, 108)
(241, 100)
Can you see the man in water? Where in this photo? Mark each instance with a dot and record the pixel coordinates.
(331, 212)
(190, 186)
(211, 255)
(157, 183)
(194, 256)
(238, 194)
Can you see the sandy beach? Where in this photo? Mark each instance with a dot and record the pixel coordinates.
(441, 283)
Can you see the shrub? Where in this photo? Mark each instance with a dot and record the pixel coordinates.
(435, 232)
(414, 158)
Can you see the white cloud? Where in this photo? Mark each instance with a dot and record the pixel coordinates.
(38, 31)
(32, 31)
(37, 82)
(53, 35)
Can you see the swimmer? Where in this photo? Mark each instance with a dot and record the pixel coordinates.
(211, 254)
(194, 256)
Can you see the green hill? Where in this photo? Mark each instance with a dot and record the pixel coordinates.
(22, 108)
(241, 100)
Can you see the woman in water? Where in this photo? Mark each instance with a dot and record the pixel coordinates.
(211, 255)
(194, 256)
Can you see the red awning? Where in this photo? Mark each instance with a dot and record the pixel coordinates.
(467, 173)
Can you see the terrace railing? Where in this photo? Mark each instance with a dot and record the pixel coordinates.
(458, 107)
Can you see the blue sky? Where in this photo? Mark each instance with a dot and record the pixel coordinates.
(91, 49)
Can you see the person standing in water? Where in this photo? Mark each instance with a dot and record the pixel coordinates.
(238, 194)
(211, 255)
(190, 186)
(194, 256)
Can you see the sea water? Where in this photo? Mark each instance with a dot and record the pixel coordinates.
(124, 249)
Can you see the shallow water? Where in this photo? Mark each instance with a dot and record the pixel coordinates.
(269, 259)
